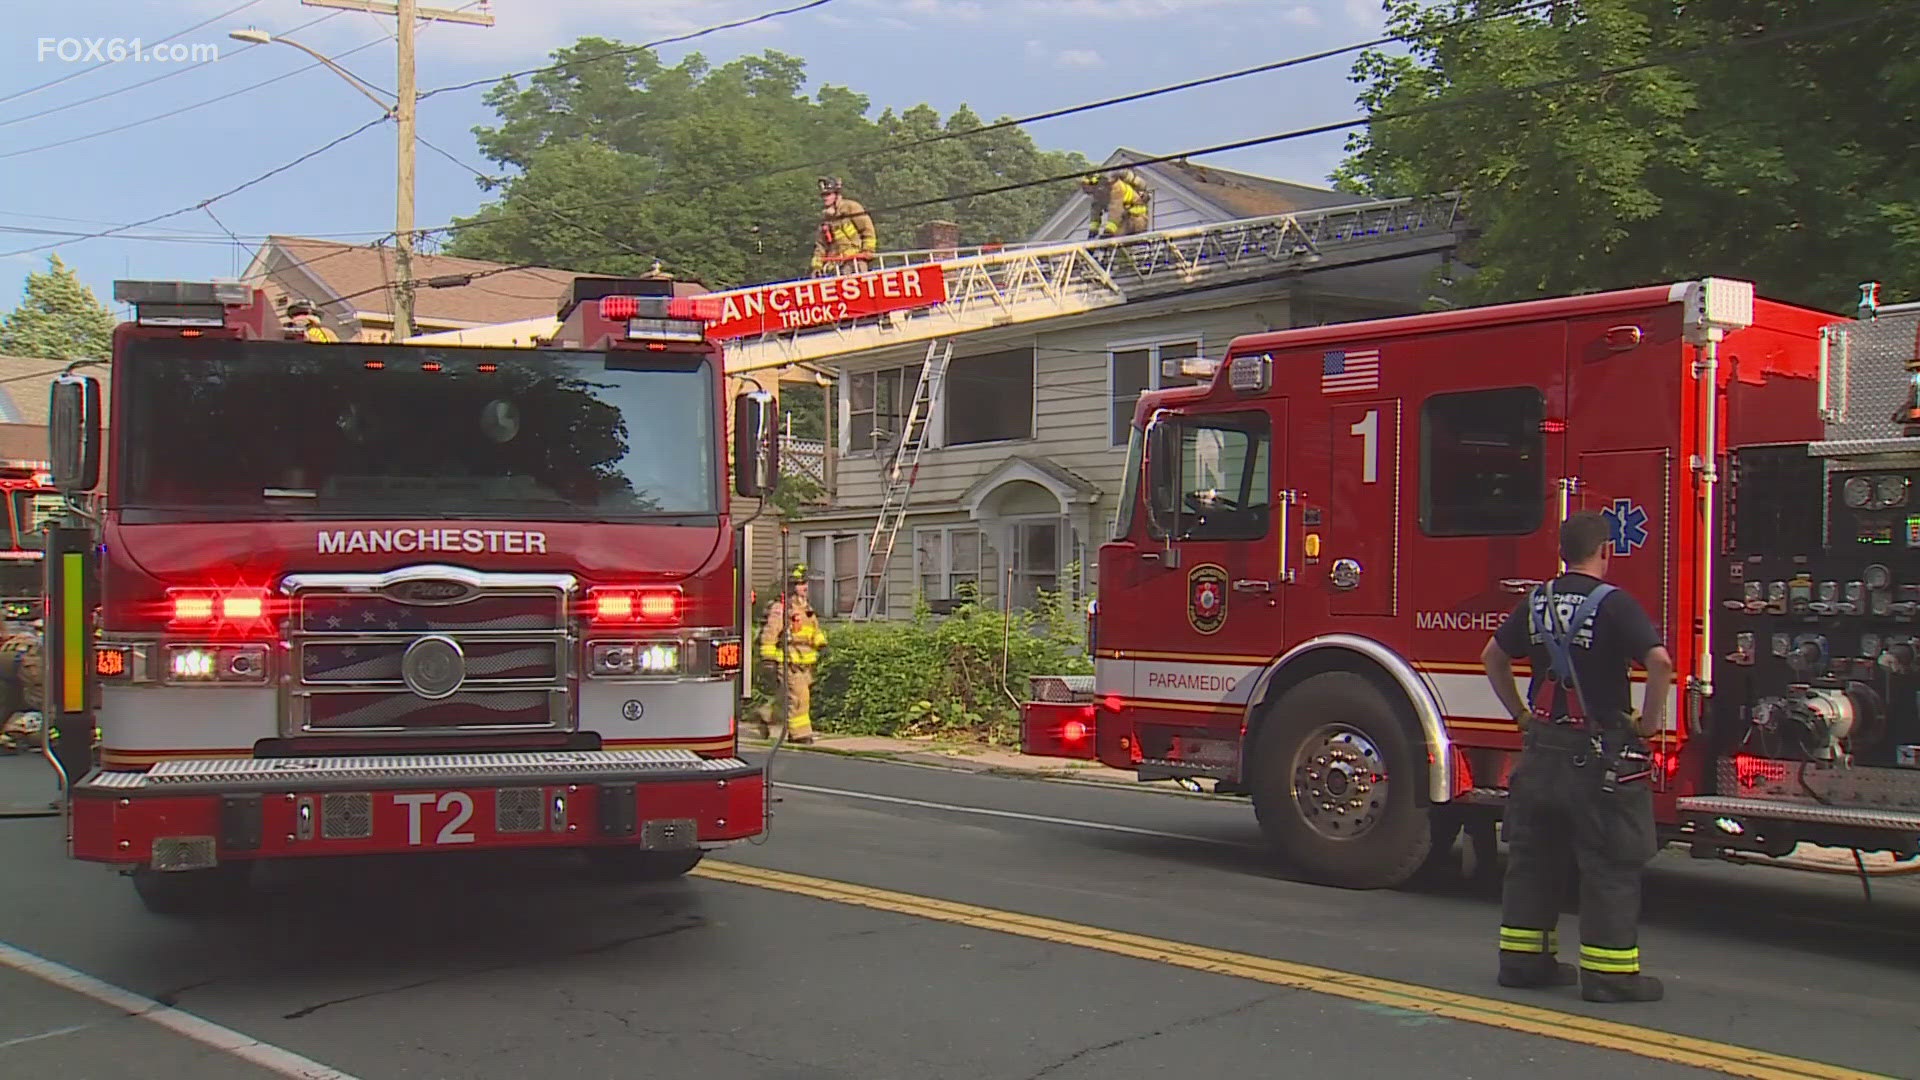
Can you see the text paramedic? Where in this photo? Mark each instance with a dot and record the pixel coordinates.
(472, 541)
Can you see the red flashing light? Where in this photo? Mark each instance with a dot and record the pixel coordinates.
(619, 308)
(703, 308)
(1113, 703)
(430, 365)
(376, 365)
(1553, 426)
(656, 605)
(215, 609)
(1073, 732)
(487, 369)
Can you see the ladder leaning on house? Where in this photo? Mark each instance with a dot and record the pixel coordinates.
(899, 477)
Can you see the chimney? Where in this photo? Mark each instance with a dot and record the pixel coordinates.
(940, 237)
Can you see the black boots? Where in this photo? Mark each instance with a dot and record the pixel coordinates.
(1534, 972)
(1595, 986)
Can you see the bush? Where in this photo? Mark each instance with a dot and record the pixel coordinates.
(928, 675)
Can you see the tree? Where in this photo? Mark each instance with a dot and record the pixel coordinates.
(58, 319)
(1784, 160)
(621, 160)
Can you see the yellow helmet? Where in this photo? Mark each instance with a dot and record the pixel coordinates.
(799, 572)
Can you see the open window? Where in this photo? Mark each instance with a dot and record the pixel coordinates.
(989, 398)
(1223, 486)
(1483, 462)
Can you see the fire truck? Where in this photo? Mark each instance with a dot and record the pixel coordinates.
(31, 499)
(365, 598)
(1314, 545)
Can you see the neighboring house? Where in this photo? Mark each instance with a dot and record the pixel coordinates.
(353, 286)
(1027, 442)
(25, 383)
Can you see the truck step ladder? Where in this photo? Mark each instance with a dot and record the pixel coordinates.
(1020, 283)
(900, 475)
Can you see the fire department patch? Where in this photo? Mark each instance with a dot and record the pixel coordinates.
(1207, 598)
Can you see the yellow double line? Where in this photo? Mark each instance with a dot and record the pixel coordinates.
(1568, 1027)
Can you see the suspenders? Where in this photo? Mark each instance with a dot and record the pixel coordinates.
(1558, 640)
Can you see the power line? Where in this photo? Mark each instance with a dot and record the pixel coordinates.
(631, 50)
(204, 203)
(149, 82)
(184, 109)
(108, 63)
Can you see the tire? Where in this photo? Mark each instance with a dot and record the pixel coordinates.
(216, 890)
(632, 864)
(1375, 841)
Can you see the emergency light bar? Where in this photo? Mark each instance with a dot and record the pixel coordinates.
(1189, 367)
(182, 303)
(661, 318)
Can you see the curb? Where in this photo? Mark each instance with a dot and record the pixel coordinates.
(946, 762)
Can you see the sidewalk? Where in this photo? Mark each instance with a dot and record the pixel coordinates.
(994, 760)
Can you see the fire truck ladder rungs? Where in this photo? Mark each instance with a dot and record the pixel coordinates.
(1023, 283)
(900, 477)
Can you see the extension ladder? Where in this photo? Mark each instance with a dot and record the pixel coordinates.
(900, 475)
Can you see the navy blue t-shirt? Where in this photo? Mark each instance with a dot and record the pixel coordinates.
(1621, 634)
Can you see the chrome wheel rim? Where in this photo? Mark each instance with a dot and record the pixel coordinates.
(1339, 782)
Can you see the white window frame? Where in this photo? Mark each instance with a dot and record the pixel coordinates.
(843, 406)
(1009, 570)
(945, 570)
(1152, 345)
(821, 575)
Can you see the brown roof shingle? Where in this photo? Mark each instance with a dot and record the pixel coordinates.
(348, 269)
(24, 382)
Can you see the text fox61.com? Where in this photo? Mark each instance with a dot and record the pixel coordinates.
(74, 50)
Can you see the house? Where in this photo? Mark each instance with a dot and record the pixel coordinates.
(1027, 442)
(25, 384)
(352, 284)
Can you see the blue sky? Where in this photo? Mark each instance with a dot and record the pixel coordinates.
(1002, 57)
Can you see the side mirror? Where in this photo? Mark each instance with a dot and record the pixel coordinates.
(756, 445)
(1161, 463)
(73, 430)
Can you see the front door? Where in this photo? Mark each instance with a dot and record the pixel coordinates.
(1213, 571)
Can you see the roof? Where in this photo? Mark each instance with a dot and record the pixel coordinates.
(24, 385)
(1240, 194)
(361, 273)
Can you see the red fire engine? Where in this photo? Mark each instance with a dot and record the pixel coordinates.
(383, 598)
(31, 499)
(1312, 549)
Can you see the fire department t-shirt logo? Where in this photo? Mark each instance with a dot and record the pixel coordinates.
(1207, 598)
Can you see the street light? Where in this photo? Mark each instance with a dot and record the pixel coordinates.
(402, 111)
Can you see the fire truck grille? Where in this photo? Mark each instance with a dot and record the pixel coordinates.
(371, 613)
(402, 711)
(377, 663)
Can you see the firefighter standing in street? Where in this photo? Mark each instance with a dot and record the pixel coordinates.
(1582, 785)
(804, 640)
(845, 242)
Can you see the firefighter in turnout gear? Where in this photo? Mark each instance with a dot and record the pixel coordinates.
(303, 321)
(845, 242)
(804, 639)
(1582, 788)
(1119, 204)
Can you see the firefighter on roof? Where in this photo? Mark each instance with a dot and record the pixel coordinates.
(1582, 784)
(303, 321)
(845, 242)
(1119, 203)
(802, 652)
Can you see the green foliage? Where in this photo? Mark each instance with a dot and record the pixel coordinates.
(58, 319)
(795, 493)
(673, 161)
(932, 675)
(1787, 162)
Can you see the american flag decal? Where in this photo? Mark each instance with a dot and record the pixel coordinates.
(1349, 372)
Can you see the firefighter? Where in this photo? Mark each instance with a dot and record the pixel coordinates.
(303, 321)
(1581, 787)
(804, 640)
(846, 242)
(1121, 200)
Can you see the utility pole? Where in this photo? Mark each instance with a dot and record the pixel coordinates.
(405, 13)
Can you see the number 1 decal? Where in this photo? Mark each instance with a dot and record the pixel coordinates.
(1369, 431)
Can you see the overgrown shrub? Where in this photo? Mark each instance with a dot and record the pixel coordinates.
(943, 675)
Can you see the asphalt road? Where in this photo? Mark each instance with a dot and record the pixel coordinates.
(483, 966)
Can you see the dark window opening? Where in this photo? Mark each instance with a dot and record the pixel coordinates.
(1483, 463)
(989, 398)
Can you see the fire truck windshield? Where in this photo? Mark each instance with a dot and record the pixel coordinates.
(217, 430)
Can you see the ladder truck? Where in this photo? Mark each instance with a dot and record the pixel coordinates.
(1313, 547)
(348, 599)
(31, 501)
